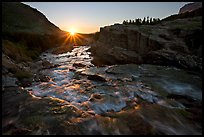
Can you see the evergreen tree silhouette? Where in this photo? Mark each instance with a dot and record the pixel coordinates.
(150, 21)
(124, 22)
(147, 22)
(140, 21)
(133, 22)
(144, 21)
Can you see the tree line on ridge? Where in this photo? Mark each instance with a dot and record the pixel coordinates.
(146, 21)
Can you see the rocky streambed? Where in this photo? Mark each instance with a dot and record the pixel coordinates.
(79, 98)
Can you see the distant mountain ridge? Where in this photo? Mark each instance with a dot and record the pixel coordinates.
(19, 17)
(190, 7)
(191, 14)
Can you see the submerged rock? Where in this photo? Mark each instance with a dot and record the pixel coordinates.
(79, 65)
(96, 78)
(41, 78)
(95, 97)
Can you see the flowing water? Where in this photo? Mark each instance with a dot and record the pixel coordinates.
(141, 91)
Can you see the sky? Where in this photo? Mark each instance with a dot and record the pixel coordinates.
(88, 17)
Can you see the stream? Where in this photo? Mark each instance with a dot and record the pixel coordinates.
(121, 99)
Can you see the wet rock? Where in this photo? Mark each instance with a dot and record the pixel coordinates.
(146, 96)
(72, 69)
(188, 102)
(44, 78)
(91, 112)
(96, 78)
(177, 97)
(48, 65)
(133, 123)
(131, 103)
(80, 65)
(127, 69)
(65, 109)
(26, 82)
(95, 97)
(174, 120)
(8, 81)
(127, 79)
(41, 78)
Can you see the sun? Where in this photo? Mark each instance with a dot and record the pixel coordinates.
(72, 32)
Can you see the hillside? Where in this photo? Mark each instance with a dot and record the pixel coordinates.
(18, 17)
(27, 26)
(26, 33)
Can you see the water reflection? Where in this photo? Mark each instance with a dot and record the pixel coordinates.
(129, 92)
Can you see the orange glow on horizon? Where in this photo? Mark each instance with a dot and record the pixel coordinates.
(73, 37)
(78, 29)
(72, 32)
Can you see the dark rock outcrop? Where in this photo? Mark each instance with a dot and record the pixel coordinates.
(174, 43)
